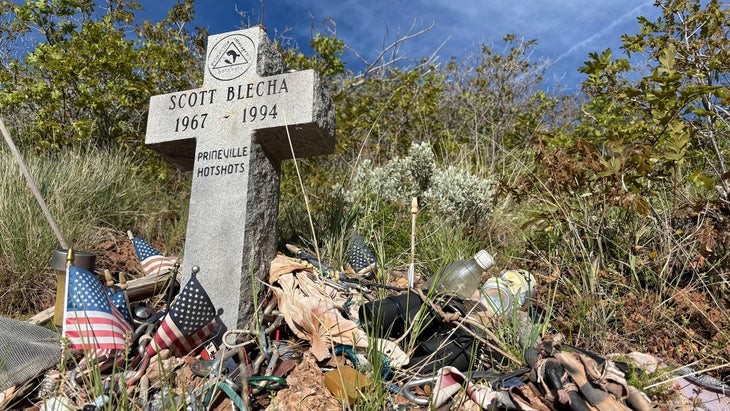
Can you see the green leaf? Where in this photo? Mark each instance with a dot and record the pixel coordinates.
(667, 59)
(700, 179)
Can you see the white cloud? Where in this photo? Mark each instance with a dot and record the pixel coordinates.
(606, 30)
(566, 30)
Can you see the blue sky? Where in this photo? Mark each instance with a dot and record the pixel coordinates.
(566, 30)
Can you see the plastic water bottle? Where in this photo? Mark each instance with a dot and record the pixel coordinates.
(512, 289)
(463, 277)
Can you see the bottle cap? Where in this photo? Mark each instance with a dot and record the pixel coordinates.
(484, 259)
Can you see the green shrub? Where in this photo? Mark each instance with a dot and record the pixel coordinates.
(445, 192)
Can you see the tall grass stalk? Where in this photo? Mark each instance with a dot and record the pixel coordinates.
(85, 192)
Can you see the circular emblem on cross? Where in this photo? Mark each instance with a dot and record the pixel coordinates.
(231, 56)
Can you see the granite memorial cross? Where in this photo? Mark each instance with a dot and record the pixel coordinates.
(233, 134)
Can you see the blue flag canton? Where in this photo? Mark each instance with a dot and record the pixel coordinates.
(192, 309)
(358, 253)
(120, 303)
(143, 249)
(90, 321)
(86, 292)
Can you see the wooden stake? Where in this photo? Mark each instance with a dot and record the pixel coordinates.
(412, 267)
(32, 185)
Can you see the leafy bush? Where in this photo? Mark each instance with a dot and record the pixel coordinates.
(446, 192)
(454, 191)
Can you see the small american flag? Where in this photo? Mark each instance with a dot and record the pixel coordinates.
(151, 260)
(91, 322)
(358, 254)
(188, 322)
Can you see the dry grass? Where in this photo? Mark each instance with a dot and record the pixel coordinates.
(86, 193)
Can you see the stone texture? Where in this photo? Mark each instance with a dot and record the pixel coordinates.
(235, 152)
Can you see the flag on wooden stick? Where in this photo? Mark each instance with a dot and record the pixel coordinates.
(91, 322)
(152, 261)
(187, 324)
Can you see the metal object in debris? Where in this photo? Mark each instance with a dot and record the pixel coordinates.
(143, 335)
(497, 296)
(302, 255)
(142, 312)
(408, 387)
(512, 289)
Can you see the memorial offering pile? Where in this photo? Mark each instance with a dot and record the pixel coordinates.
(323, 338)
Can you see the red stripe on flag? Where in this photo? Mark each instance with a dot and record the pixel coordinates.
(168, 335)
(89, 332)
(157, 263)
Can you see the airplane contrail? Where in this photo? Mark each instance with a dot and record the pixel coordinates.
(602, 32)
